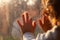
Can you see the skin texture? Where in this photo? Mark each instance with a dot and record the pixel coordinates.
(45, 23)
(28, 24)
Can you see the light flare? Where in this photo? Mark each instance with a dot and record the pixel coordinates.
(3, 2)
(6, 1)
(31, 2)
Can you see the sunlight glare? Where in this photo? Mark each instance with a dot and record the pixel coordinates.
(31, 2)
(3, 2)
(7, 1)
(0, 1)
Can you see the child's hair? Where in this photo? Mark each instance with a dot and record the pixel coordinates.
(56, 7)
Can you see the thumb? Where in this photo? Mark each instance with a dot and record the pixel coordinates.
(40, 23)
(34, 24)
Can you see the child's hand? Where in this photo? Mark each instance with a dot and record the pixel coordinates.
(28, 24)
(46, 25)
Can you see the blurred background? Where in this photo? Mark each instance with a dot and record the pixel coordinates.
(11, 10)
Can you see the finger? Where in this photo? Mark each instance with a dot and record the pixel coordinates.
(19, 23)
(34, 24)
(46, 19)
(46, 12)
(40, 22)
(23, 18)
(27, 17)
(47, 22)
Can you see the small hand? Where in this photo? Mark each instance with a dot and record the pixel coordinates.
(46, 25)
(28, 24)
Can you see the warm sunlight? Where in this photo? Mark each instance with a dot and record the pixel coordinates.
(0, 1)
(45, 3)
(3, 2)
(6, 1)
(31, 2)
